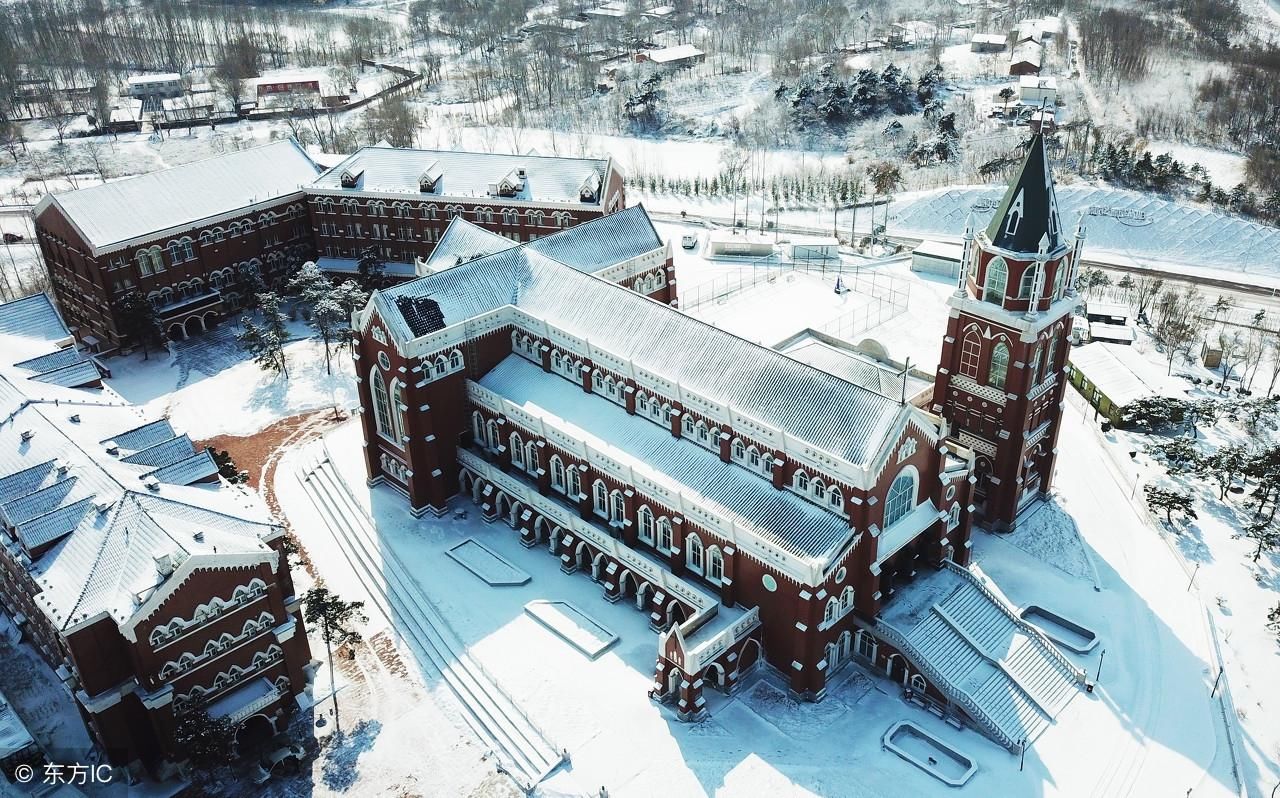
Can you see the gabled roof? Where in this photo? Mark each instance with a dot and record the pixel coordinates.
(830, 413)
(116, 212)
(463, 241)
(1029, 211)
(601, 243)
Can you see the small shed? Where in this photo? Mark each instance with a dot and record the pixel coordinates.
(1106, 312)
(988, 42)
(737, 243)
(681, 55)
(812, 248)
(1121, 334)
(1036, 90)
(1026, 58)
(1112, 376)
(937, 257)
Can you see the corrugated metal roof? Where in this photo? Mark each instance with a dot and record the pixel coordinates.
(198, 466)
(32, 317)
(833, 414)
(463, 241)
(163, 453)
(391, 170)
(602, 242)
(145, 436)
(82, 372)
(1122, 373)
(136, 206)
(734, 493)
(856, 367)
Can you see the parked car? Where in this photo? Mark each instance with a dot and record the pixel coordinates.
(12, 238)
(282, 760)
(690, 241)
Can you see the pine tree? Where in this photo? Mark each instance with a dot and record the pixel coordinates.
(371, 270)
(309, 285)
(331, 322)
(138, 320)
(1169, 501)
(1263, 533)
(205, 741)
(335, 618)
(266, 341)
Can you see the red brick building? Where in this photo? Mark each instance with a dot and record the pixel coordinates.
(760, 511)
(1000, 380)
(195, 239)
(148, 597)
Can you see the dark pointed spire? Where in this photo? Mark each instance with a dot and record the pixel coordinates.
(1029, 210)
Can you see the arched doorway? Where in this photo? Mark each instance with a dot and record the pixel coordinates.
(254, 733)
(673, 682)
(466, 482)
(502, 504)
(192, 325)
(554, 540)
(714, 676)
(584, 556)
(642, 596)
(749, 655)
(626, 584)
(514, 517)
(597, 567)
(210, 320)
(177, 332)
(675, 614)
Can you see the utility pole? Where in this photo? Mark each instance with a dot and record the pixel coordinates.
(1101, 657)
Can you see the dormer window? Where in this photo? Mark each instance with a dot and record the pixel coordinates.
(350, 178)
(589, 190)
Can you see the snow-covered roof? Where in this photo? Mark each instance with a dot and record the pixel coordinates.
(939, 249)
(680, 52)
(830, 413)
(352, 266)
(470, 175)
(33, 318)
(114, 213)
(857, 367)
(1097, 307)
(729, 490)
(1030, 52)
(14, 736)
(1122, 373)
(463, 241)
(1101, 331)
(94, 493)
(989, 38)
(1037, 82)
(146, 80)
(602, 242)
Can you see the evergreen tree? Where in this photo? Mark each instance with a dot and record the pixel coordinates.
(1223, 466)
(371, 270)
(332, 324)
(336, 619)
(138, 321)
(309, 285)
(205, 741)
(266, 341)
(1169, 501)
(1264, 534)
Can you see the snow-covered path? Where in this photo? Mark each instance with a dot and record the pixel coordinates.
(1159, 670)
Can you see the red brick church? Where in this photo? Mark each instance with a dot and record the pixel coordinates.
(758, 510)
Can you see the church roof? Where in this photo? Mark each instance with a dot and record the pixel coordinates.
(1029, 211)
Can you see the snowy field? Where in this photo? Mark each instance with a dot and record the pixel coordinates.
(207, 386)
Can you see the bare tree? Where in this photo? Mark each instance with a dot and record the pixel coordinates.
(1145, 290)
(1179, 322)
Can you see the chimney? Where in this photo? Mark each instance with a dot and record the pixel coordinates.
(112, 448)
(164, 564)
(28, 434)
(152, 484)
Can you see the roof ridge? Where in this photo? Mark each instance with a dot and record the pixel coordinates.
(108, 530)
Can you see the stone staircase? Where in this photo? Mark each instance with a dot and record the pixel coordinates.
(1010, 678)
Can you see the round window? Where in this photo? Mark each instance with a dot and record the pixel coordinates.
(770, 584)
(951, 492)
(841, 574)
(384, 361)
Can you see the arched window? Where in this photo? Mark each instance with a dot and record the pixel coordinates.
(832, 610)
(531, 463)
(753, 457)
(902, 497)
(953, 517)
(645, 517)
(455, 360)
(175, 253)
(1028, 281)
(441, 366)
(997, 281)
(970, 354)
(381, 405)
(739, 450)
(702, 432)
(687, 425)
(642, 403)
(617, 507)
(1051, 352)
(477, 428)
(1058, 272)
(574, 483)
(667, 413)
(397, 413)
(918, 683)
(818, 490)
(664, 534)
(535, 218)
(557, 473)
(999, 370)
(846, 599)
(836, 499)
(715, 564)
(693, 553)
(600, 498)
(517, 449)
(1034, 371)
(801, 481)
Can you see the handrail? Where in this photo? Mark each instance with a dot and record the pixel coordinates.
(959, 695)
(1078, 674)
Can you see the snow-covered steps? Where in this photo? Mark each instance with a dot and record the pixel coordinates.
(522, 749)
(973, 647)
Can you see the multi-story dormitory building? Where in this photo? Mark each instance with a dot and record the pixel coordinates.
(149, 596)
(755, 507)
(188, 236)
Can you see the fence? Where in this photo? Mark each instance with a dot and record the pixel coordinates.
(890, 296)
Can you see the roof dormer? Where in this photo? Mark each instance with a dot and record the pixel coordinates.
(350, 177)
(511, 184)
(430, 178)
(589, 189)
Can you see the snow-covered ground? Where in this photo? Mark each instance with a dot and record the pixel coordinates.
(208, 386)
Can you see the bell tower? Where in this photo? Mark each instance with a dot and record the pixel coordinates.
(1000, 379)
